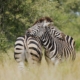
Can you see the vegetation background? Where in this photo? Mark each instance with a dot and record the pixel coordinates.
(18, 15)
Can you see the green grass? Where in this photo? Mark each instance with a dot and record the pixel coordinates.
(64, 71)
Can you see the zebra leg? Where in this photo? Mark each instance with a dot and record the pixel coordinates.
(34, 58)
(34, 51)
(20, 58)
(19, 52)
(46, 57)
(54, 60)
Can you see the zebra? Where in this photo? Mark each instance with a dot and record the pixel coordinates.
(54, 32)
(64, 50)
(32, 54)
(57, 49)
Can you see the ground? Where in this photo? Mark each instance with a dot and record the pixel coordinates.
(64, 71)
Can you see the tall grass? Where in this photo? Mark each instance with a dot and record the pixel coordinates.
(64, 71)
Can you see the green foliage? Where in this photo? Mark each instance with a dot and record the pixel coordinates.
(18, 15)
(77, 44)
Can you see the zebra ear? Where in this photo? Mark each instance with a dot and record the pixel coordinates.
(48, 19)
(50, 25)
(63, 36)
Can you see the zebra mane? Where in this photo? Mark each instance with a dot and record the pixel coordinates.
(48, 19)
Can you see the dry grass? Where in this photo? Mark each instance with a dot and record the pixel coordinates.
(64, 71)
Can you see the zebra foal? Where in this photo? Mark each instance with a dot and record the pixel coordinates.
(64, 40)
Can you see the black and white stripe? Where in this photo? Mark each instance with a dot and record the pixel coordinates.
(65, 40)
(55, 32)
(20, 51)
(34, 49)
(58, 46)
(70, 41)
(27, 49)
(63, 46)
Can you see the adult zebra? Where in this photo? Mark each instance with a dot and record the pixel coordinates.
(56, 46)
(27, 49)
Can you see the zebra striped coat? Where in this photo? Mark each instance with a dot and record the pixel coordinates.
(56, 46)
(34, 48)
(20, 51)
(63, 42)
(27, 49)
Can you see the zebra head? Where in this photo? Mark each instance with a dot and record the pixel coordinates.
(38, 28)
(55, 32)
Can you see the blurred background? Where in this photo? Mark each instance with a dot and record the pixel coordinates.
(18, 15)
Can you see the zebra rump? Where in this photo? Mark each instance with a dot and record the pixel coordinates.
(33, 46)
(27, 49)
